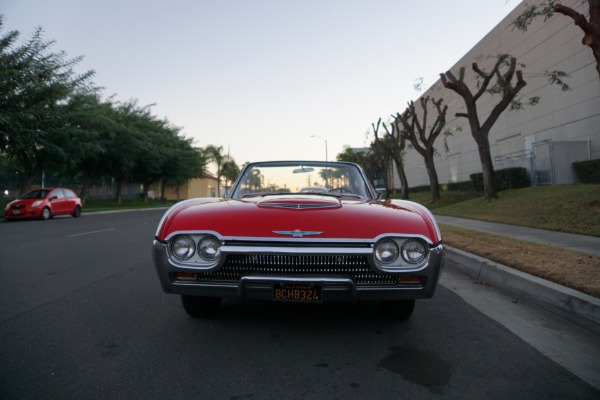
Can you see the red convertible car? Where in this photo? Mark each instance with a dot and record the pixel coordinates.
(44, 204)
(271, 241)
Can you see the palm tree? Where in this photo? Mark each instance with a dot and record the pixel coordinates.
(215, 154)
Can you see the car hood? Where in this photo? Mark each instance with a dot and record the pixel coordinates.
(322, 217)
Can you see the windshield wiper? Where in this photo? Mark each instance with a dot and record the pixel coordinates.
(336, 195)
(343, 195)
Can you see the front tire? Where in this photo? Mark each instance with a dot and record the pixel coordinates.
(76, 212)
(200, 306)
(398, 309)
(46, 214)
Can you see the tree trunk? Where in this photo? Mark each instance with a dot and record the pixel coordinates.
(84, 189)
(163, 188)
(119, 193)
(177, 186)
(590, 28)
(433, 178)
(403, 180)
(386, 171)
(487, 167)
(145, 192)
(26, 185)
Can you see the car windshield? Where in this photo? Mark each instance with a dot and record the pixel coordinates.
(342, 180)
(35, 194)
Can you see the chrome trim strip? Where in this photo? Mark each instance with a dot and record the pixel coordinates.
(370, 241)
(295, 250)
(318, 280)
(297, 233)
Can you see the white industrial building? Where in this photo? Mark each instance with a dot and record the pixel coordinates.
(545, 138)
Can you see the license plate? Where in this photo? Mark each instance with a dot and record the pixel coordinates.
(16, 212)
(298, 293)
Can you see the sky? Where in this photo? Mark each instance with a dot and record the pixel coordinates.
(265, 79)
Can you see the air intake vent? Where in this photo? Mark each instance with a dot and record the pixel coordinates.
(352, 267)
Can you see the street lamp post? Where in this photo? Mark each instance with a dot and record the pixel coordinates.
(325, 140)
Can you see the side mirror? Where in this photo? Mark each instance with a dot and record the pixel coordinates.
(381, 192)
(53, 198)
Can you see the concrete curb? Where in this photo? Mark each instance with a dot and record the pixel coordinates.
(574, 306)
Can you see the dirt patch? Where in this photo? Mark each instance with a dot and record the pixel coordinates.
(575, 270)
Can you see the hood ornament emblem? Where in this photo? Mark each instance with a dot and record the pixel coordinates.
(298, 233)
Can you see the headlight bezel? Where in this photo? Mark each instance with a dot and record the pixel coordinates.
(199, 258)
(185, 242)
(405, 260)
(386, 251)
(209, 243)
(420, 248)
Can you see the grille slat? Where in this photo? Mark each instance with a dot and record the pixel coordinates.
(355, 267)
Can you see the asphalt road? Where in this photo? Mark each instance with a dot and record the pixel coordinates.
(82, 316)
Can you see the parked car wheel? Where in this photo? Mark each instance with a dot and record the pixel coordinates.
(76, 212)
(400, 309)
(46, 214)
(200, 306)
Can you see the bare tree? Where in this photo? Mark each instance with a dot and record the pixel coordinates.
(590, 25)
(421, 138)
(392, 145)
(380, 151)
(505, 70)
(369, 161)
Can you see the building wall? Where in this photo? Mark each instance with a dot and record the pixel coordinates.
(560, 116)
(204, 187)
(199, 187)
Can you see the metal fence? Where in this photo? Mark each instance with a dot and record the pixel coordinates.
(553, 161)
(548, 162)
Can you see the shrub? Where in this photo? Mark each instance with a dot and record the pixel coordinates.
(465, 186)
(507, 178)
(588, 171)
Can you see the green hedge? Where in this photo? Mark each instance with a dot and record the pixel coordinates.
(588, 171)
(507, 178)
(465, 186)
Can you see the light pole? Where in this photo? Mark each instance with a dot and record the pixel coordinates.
(325, 140)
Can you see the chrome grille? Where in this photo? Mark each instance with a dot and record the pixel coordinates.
(355, 267)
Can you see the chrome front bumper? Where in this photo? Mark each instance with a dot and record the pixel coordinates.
(333, 288)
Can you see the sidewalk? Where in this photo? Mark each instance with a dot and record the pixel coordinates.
(567, 303)
(569, 241)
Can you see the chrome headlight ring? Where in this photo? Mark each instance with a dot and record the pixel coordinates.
(209, 248)
(414, 251)
(394, 254)
(183, 247)
(202, 250)
(386, 251)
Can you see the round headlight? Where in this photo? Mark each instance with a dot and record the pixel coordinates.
(414, 251)
(209, 248)
(183, 247)
(386, 251)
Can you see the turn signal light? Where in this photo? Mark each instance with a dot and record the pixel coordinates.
(185, 276)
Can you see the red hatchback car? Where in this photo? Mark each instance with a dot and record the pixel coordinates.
(44, 204)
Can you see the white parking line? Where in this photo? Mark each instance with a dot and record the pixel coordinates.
(89, 233)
